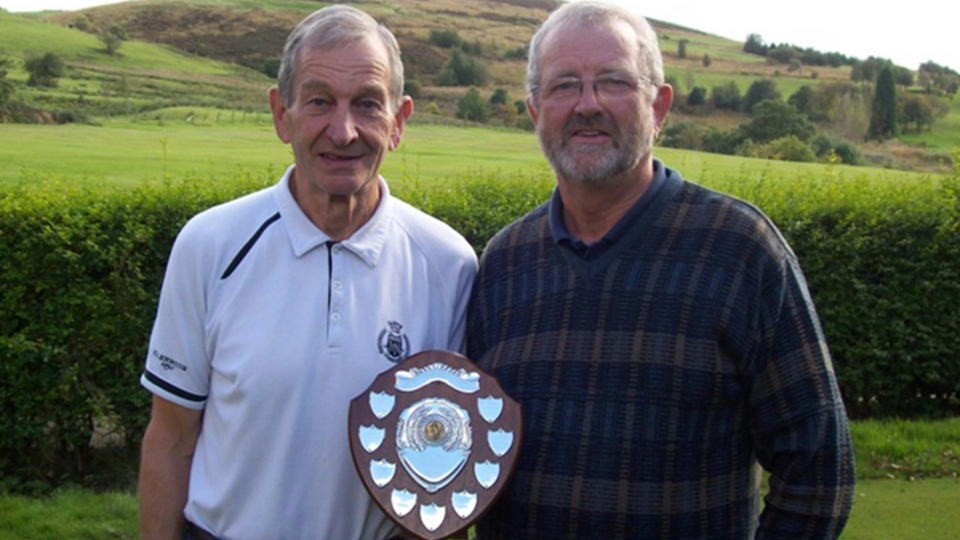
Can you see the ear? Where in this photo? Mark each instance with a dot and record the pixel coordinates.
(279, 110)
(400, 121)
(531, 110)
(661, 106)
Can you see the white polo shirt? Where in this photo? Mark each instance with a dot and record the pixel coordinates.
(272, 331)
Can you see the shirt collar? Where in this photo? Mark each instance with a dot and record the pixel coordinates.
(366, 243)
(564, 238)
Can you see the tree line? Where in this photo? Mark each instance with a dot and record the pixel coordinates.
(821, 122)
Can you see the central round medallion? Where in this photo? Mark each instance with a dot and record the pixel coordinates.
(434, 431)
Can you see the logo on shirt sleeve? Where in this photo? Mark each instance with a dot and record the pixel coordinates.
(167, 363)
(393, 344)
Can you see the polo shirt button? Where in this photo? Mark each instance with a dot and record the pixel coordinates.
(337, 285)
(335, 317)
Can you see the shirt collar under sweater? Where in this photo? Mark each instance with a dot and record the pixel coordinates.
(567, 240)
(366, 243)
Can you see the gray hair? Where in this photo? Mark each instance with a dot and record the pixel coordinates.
(593, 13)
(330, 27)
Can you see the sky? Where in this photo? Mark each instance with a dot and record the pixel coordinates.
(909, 33)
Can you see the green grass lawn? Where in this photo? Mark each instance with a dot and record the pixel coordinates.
(895, 509)
(131, 150)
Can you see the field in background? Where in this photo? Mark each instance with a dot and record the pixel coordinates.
(210, 143)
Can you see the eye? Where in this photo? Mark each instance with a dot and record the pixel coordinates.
(317, 102)
(615, 83)
(565, 86)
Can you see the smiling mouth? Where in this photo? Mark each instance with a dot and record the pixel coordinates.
(337, 157)
(588, 133)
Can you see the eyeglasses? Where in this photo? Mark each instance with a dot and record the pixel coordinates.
(608, 86)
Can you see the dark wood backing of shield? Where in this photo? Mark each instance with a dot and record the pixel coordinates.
(509, 420)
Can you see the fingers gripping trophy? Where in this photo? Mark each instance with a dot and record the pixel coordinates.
(434, 440)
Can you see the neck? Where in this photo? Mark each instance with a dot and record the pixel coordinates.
(590, 211)
(338, 216)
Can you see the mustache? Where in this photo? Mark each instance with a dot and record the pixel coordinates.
(601, 123)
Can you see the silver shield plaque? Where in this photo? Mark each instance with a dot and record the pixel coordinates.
(434, 440)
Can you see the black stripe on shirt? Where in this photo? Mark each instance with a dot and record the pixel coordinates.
(172, 389)
(248, 246)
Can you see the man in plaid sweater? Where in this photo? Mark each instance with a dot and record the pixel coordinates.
(659, 336)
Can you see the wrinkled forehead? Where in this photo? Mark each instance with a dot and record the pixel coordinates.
(589, 46)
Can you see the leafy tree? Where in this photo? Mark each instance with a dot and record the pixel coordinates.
(774, 119)
(697, 96)
(937, 79)
(686, 135)
(916, 110)
(868, 70)
(82, 23)
(475, 48)
(803, 100)
(883, 113)
(44, 70)
(832, 150)
(500, 96)
(789, 148)
(903, 76)
(472, 107)
(783, 54)
(6, 87)
(726, 97)
(760, 90)
(111, 42)
(682, 48)
(706, 61)
(446, 38)
(462, 70)
(754, 45)
(721, 142)
(271, 67)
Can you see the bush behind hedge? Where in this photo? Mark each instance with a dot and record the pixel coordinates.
(82, 267)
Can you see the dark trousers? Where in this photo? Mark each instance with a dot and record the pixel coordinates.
(192, 532)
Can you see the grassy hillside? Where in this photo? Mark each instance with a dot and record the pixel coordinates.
(211, 53)
(141, 77)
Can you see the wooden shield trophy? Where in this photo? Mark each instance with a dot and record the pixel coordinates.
(434, 440)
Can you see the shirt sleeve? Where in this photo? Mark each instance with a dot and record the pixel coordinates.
(177, 365)
(801, 431)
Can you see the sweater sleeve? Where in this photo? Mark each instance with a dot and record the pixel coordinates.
(800, 429)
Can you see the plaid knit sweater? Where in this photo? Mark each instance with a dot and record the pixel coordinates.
(657, 378)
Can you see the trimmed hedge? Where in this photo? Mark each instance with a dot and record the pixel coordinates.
(82, 267)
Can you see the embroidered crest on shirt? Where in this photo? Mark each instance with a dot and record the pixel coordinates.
(393, 344)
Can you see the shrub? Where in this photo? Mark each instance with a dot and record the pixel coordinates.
(82, 269)
(697, 96)
(472, 107)
(44, 70)
(726, 96)
(446, 38)
(789, 148)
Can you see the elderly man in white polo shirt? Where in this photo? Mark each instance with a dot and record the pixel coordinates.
(279, 307)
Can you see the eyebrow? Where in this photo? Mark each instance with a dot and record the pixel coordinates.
(365, 91)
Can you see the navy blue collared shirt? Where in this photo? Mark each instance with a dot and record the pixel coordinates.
(589, 252)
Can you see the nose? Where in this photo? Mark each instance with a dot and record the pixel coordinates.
(342, 129)
(588, 103)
